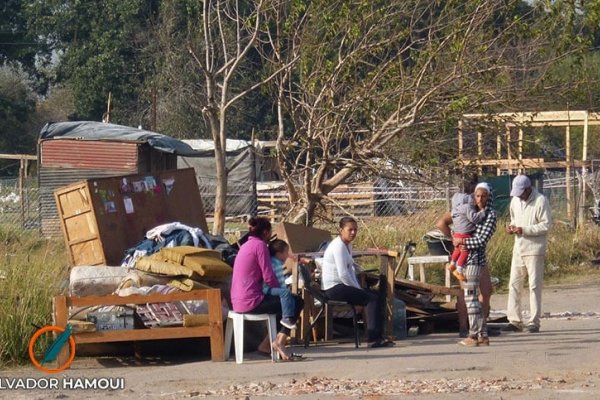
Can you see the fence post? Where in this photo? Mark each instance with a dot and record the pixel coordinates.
(21, 190)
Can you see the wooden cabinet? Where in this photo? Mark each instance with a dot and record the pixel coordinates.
(103, 217)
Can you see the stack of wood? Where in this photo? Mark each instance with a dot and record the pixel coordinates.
(422, 301)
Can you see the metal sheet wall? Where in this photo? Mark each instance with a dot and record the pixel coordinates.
(89, 154)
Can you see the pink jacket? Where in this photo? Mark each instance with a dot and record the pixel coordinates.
(252, 267)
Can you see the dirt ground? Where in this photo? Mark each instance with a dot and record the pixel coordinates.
(561, 362)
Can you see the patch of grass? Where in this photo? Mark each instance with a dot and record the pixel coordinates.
(31, 273)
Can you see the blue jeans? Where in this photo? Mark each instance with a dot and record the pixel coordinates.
(288, 304)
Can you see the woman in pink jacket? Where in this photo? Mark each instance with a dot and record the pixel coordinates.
(252, 267)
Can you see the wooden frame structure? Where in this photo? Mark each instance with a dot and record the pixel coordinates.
(519, 120)
(214, 329)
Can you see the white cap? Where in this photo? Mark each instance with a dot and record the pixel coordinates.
(485, 186)
(520, 183)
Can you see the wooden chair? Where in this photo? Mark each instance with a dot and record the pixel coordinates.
(324, 301)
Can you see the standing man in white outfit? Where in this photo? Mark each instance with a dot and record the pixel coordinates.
(529, 221)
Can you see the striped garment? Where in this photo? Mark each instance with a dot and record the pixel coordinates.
(483, 233)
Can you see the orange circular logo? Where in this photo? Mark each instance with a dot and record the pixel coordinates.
(54, 349)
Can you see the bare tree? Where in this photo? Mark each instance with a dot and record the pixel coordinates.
(228, 31)
(373, 73)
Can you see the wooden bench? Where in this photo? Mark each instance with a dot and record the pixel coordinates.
(214, 329)
(422, 261)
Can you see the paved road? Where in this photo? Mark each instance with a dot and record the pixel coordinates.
(561, 362)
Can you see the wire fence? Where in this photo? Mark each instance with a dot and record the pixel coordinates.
(406, 208)
(20, 203)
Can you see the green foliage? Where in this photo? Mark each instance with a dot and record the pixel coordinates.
(99, 45)
(17, 102)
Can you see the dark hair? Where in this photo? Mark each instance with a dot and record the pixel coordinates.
(257, 226)
(278, 246)
(345, 221)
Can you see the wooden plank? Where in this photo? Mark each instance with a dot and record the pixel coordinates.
(61, 312)
(427, 259)
(18, 157)
(416, 310)
(568, 173)
(387, 269)
(433, 289)
(215, 325)
(130, 335)
(538, 116)
(115, 300)
(525, 163)
(442, 316)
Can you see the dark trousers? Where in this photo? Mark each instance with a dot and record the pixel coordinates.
(362, 297)
(272, 305)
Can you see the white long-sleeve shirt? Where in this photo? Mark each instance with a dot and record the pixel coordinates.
(338, 266)
(533, 215)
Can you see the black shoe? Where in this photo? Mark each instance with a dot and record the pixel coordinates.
(511, 328)
(533, 329)
(493, 332)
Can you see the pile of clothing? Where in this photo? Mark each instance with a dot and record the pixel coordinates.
(172, 257)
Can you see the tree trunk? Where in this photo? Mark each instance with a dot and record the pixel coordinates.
(220, 193)
(306, 215)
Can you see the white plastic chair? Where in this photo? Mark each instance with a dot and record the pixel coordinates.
(235, 325)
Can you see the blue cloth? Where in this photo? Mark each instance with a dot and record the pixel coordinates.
(284, 294)
(288, 304)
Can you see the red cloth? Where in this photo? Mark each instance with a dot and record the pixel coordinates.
(460, 256)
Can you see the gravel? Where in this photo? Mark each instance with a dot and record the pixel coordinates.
(380, 387)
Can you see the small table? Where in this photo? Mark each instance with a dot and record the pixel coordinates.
(421, 261)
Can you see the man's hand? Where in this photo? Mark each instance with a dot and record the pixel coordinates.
(511, 229)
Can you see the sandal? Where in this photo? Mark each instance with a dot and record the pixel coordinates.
(382, 343)
(283, 355)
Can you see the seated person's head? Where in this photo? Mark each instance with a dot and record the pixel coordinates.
(279, 249)
(348, 229)
(259, 227)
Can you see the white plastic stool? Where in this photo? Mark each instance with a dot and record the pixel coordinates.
(235, 324)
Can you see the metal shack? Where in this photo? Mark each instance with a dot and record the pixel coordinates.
(73, 151)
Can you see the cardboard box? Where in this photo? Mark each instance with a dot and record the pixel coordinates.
(302, 239)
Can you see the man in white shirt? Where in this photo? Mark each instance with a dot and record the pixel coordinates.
(529, 221)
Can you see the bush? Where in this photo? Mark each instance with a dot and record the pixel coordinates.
(32, 272)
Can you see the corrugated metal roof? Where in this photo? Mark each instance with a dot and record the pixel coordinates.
(52, 178)
(91, 130)
(115, 156)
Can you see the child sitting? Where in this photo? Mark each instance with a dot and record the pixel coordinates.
(279, 250)
(465, 217)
